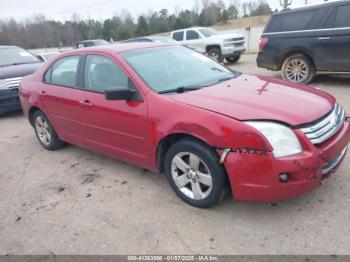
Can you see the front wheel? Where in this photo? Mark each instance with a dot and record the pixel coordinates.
(233, 59)
(298, 68)
(215, 54)
(194, 173)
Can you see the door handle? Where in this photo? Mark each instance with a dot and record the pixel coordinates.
(324, 38)
(43, 93)
(85, 103)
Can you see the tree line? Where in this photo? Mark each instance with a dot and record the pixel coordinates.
(40, 32)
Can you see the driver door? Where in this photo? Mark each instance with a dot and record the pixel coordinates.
(118, 128)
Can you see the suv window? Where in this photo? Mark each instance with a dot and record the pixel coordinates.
(63, 72)
(178, 36)
(342, 18)
(291, 22)
(102, 73)
(191, 35)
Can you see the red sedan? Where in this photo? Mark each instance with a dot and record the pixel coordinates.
(168, 108)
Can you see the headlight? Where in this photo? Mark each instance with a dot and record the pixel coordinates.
(3, 84)
(282, 139)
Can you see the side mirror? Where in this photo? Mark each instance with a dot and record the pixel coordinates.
(119, 93)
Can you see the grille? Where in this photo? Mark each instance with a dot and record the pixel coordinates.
(327, 127)
(237, 39)
(13, 82)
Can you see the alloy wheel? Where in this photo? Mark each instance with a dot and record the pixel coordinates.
(297, 71)
(42, 130)
(191, 175)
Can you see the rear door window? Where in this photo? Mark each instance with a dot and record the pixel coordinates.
(342, 19)
(178, 36)
(291, 22)
(64, 71)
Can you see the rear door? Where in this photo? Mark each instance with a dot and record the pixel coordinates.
(60, 97)
(193, 38)
(331, 44)
(118, 128)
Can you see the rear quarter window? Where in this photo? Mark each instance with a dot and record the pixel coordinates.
(291, 21)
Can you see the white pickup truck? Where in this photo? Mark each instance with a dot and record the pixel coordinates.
(218, 46)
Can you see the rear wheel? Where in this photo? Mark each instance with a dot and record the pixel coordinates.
(233, 59)
(45, 132)
(298, 68)
(215, 54)
(194, 173)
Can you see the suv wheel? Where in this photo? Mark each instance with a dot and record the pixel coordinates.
(215, 54)
(233, 59)
(194, 173)
(298, 68)
(45, 132)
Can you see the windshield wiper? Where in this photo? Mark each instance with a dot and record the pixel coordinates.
(224, 79)
(180, 89)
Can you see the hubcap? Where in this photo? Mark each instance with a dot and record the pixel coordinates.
(42, 129)
(214, 56)
(191, 175)
(297, 71)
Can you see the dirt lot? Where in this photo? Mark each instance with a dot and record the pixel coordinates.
(74, 201)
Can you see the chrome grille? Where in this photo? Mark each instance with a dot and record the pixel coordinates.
(13, 82)
(327, 127)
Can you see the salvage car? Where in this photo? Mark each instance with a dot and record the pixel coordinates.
(168, 108)
(308, 41)
(15, 63)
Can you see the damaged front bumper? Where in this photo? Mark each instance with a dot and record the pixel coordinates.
(255, 175)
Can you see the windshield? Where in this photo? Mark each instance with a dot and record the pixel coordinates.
(169, 68)
(208, 32)
(16, 55)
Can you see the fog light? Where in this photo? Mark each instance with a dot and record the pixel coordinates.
(284, 177)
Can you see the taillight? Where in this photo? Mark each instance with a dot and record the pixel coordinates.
(262, 43)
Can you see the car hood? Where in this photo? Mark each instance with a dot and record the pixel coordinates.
(261, 98)
(225, 36)
(18, 70)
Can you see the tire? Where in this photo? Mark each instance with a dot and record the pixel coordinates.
(233, 59)
(200, 180)
(45, 132)
(215, 54)
(304, 71)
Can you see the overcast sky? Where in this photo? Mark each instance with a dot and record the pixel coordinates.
(98, 9)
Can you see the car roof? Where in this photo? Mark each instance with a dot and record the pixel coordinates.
(119, 47)
(194, 27)
(91, 40)
(310, 7)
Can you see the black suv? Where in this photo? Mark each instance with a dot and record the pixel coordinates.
(15, 63)
(307, 41)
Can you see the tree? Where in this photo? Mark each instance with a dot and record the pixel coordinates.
(142, 26)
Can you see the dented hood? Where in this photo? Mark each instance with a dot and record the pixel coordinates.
(261, 98)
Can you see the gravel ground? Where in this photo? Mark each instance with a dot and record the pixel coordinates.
(74, 201)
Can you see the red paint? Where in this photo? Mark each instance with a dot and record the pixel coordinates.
(132, 131)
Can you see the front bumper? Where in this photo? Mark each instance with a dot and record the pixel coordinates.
(9, 100)
(255, 177)
(228, 51)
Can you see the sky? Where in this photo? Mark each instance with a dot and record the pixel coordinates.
(101, 9)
